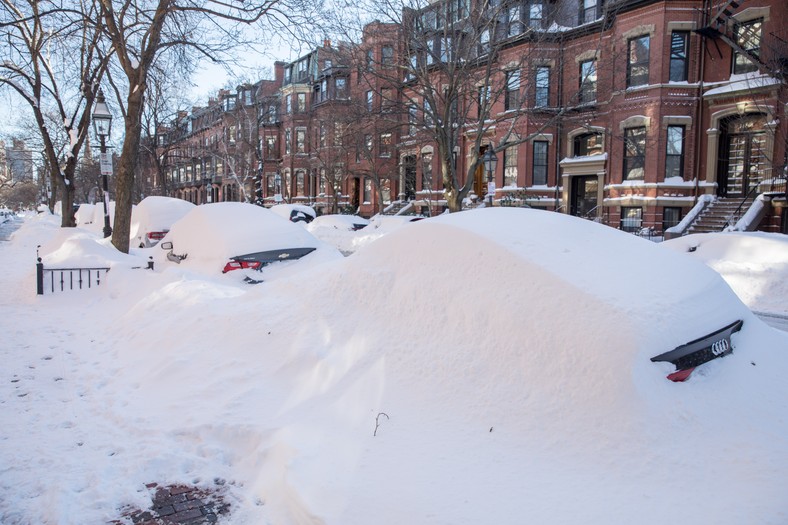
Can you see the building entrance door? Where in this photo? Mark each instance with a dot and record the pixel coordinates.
(742, 155)
(583, 199)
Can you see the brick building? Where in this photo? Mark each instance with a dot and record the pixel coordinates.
(628, 112)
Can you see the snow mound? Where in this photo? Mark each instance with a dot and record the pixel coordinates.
(754, 264)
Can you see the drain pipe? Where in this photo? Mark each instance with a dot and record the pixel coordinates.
(699, 125)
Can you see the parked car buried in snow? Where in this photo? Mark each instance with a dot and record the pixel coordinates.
(229, 236)
(152, 218)
(295, 212)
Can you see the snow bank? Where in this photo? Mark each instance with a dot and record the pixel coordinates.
(754, 264)
(483, 367)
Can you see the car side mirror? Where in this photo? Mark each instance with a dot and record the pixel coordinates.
(166, 245)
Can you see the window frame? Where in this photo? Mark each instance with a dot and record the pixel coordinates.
(746, 65)
(542, 87)
(675, 158)
(540, 168)
(640, 79)
(587, 86)
(680, 58)
(512, 95)
(637, 160)
(624, 216)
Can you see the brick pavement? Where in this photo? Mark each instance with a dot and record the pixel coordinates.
(179, 505)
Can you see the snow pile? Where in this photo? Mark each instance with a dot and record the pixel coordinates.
(211, 235)
(156, 214)
(483, 367)
(754, 264)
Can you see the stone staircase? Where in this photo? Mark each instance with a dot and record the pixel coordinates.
(396, 207)
(723, 212)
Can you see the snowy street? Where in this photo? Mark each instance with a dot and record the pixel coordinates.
(393, 385)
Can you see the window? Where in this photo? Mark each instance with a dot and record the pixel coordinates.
(588, 81)
(637, 61)
(370, 59)
(385, 144)
(510, 166)
(270, 187)
(271, 113)
(426, 170)
(428, 114)
(413, 119)
(483, 99)
(288, 104)
(386, 100)
(512, 98)
(484, 41)
(446, 49)
(748, 36)
(322, 183)
(542, 91)
(340, 86)
(339, 132)
(634, 153)
(588, 144)
(670, 217)
(387, 56)
(270, 147)
(540, 163)
(321, 135)
(631, 219)
(588, 11)
(370, 99)
(515, 25)
(367, 189)
(674, 158)
(300, 140)
(536, 14)
(288, 140)
(679, 48)
(300, 182)
(231, 134)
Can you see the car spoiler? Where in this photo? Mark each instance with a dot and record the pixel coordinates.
(269, 256)
(702, 350)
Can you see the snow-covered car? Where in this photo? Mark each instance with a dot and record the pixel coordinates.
(339, 222)
(229, 236)
(152, 218)
(295, 212)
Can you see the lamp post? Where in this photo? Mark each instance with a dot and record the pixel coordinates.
(102, 123)
(490, 160)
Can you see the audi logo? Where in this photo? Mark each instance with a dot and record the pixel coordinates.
(720, 347)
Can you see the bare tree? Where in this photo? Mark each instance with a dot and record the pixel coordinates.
(53, 62)
(141, 33)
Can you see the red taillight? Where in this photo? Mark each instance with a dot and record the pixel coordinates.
(156, 236)
(238, 265)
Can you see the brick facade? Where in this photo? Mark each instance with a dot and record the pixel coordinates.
(626, 114)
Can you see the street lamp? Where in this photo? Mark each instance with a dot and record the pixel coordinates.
(102, 123)
(490, 160)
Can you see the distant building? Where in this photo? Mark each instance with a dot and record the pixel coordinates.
(18, 165)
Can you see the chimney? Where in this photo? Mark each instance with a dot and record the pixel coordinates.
(327, 43)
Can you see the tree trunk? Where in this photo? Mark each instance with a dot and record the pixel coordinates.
(67, 201)
(124, 179)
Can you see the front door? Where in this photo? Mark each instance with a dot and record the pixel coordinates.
(743, 159)
(584, 195)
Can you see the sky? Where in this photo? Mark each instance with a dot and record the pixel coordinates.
(491, 366)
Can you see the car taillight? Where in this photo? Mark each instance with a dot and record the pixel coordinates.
(241, 265)
(156, 236)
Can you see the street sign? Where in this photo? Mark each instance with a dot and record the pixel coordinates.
(106, 163)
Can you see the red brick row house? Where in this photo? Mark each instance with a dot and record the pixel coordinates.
(630, 112)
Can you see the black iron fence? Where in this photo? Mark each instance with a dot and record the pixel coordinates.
(65, 279)
(52, 280)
